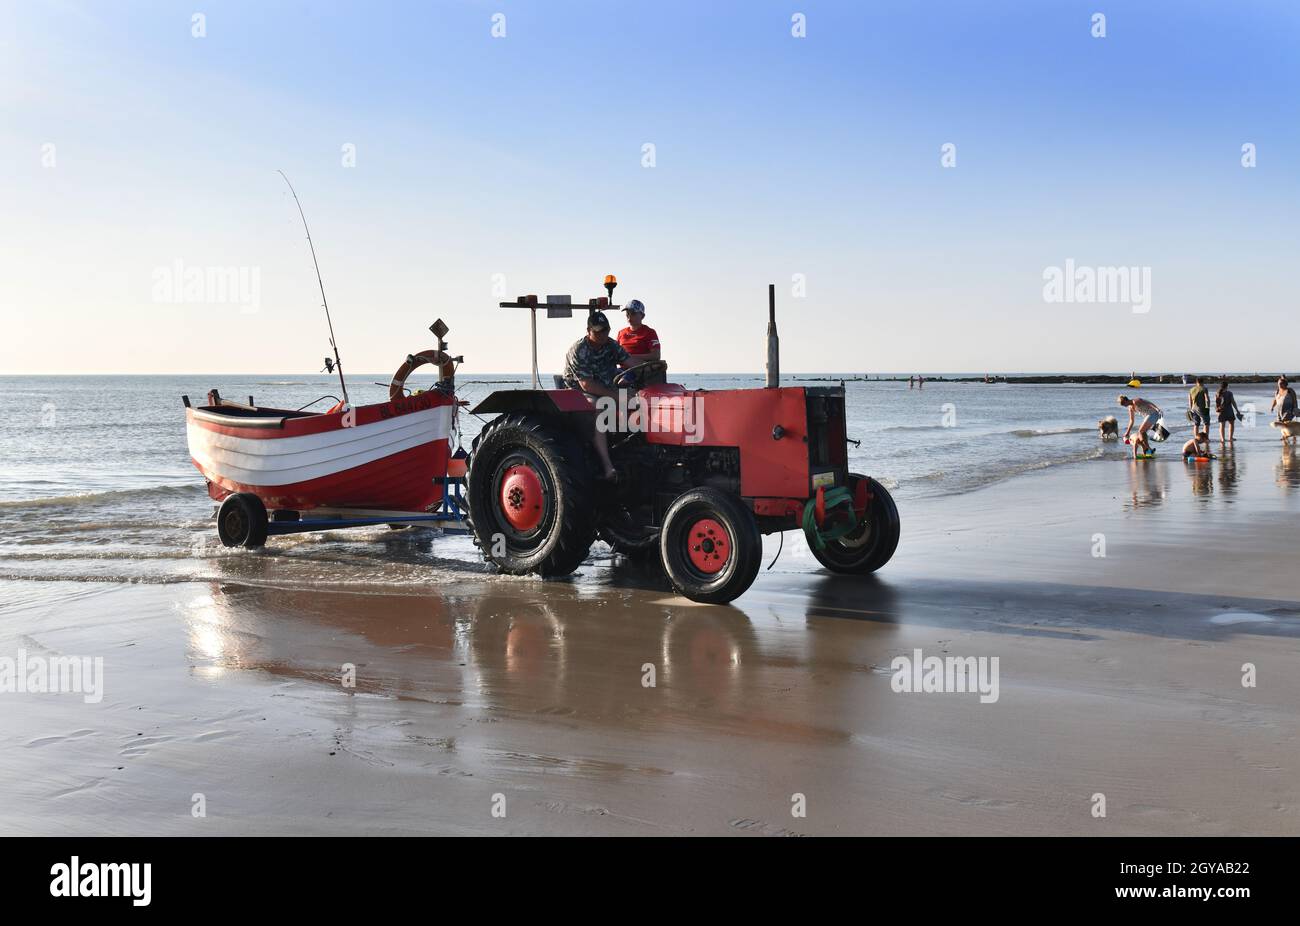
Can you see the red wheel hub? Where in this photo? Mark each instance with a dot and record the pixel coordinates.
(522, 497)
(708, 546)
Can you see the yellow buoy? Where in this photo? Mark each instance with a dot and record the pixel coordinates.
(1135, 383)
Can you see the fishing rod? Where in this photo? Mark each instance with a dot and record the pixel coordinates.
(338, 363)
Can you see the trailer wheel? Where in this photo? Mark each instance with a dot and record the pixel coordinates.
(871, 544)
(710, 545)
(241, 521)
(530, 492)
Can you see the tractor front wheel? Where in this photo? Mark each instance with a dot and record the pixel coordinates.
(530, 496)
(871, 544)
(710, 545)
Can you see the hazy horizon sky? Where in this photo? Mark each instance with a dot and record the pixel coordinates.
(135, 152)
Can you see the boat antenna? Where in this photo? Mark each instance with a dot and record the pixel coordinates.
(338, 363)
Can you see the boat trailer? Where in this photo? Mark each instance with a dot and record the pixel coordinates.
(449, 516)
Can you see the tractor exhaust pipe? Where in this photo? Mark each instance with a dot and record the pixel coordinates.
(773, 342)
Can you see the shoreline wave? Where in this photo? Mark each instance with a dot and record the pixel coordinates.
(984, 477)
(97, 498)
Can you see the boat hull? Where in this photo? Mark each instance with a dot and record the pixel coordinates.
(391, 456)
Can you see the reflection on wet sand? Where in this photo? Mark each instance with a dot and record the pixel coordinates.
(1146, 483)
(537, 648)
(554, 648)
(1231, 469)
(1202, 479)
(581, 658)
(1287, 471)
(856, 597)
(279, 630)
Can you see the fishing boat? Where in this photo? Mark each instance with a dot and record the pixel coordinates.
(280, 471)
(382, 456)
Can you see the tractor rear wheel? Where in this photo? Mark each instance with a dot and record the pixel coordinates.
(530, 491)
(871, 544)
(710, 545)
(241, 521)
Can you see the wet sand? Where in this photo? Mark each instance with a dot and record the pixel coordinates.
(1119, 675)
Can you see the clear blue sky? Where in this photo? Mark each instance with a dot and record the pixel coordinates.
(775, 156)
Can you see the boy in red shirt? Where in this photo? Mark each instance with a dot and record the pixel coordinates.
(640, 341)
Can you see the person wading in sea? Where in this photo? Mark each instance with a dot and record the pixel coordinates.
(1151, 416)
(1225, 404)
(1284, 402)
(1198, 407)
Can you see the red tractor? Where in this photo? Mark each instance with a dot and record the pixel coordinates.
(703, 474)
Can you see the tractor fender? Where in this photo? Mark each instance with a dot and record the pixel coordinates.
(545, 401)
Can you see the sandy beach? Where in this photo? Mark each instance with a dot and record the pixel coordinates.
(1119, 675)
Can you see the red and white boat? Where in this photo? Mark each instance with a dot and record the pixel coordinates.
(373, 456)
(352, 465)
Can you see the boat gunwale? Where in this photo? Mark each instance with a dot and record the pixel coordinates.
(242, 421)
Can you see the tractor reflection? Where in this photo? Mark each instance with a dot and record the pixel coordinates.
(543, 648)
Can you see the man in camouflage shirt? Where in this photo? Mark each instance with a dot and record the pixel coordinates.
(593, 362)
(591, 365)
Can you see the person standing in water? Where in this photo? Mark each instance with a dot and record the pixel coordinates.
(1225, 404)
(1284, 402)
(1151, 415)
(1198, 407)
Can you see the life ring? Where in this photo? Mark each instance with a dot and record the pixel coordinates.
(446, 370)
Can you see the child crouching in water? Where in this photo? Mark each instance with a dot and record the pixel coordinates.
(1198, 446)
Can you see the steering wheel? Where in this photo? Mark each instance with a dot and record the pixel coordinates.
(636, 376)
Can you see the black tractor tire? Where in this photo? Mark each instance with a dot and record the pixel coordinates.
(710, 546)
(556, 464)
(241, 521)
(872, 543)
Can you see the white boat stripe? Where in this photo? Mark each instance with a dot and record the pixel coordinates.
(258, 462)
(440, 413)
(279, 470)
(252, 452)
(264, 477)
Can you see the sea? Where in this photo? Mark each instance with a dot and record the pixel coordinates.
(96, 483)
